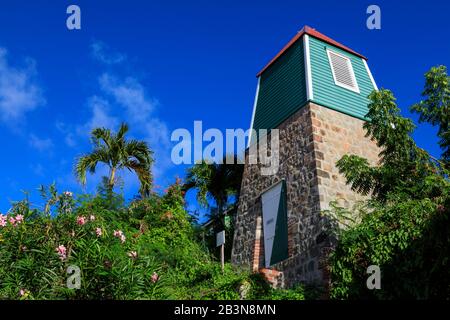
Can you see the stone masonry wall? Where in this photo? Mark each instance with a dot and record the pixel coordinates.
(311, 141)
(297, 167)
(337, 134)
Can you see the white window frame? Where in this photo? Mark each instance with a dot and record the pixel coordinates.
(352, 72)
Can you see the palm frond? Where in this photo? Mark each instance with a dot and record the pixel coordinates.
(117, 153)
(122, 131)
(138, 150)
(89, 163)
(144, 175)
(101, 134)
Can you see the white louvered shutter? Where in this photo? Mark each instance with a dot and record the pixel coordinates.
(342, 70)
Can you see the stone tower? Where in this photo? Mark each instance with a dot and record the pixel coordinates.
(314, 91)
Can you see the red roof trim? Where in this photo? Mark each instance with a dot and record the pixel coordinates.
(313, 33)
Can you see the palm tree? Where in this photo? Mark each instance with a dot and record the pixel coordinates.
(217, 182)
(117, 153)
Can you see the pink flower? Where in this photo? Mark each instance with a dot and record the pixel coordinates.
(14, 221)
(23, 292)
(3, 220)
(119, 234)
(68, 194)
(132, 254)
(98, 232)
(62, 252)
(91, 217)
(19, 218)
(81, 220)
(154, 277)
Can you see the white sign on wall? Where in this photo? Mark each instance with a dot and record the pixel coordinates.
(270, 203)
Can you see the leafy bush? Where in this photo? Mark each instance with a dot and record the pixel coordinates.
(146, 250)
(408, 240)
(405, 229)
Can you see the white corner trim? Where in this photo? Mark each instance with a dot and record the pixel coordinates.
(370, 74)
(308, 77)
(254, 111)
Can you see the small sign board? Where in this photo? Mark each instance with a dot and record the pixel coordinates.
(220, 238)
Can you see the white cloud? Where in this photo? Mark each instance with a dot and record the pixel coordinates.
(40, 144)
(69, 137)
(124, 99)
(37, 169)
(132, 104)
(130, 94)
(140, 109)
(19, 92)
(70, 140)
(100, 116)
(157, 135)
(156, 132)
(98, 51)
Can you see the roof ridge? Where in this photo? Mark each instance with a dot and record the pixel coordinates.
(314, 33)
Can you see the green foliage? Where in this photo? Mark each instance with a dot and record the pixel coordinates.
(402, 164)
(117, 153)
(405, 228)
(221, 184)
(144, 250)
(435, 109)
(147, 249)
(215, 181)
(409, 240)
(29, 259)
(233, 284)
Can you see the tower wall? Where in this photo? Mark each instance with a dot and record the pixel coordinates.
(311, 141)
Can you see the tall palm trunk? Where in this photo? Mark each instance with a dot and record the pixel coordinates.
(112, 177)
(111, 182)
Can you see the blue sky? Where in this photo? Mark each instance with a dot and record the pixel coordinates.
(160, 65)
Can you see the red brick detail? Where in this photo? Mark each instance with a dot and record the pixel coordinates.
(256, 254)
(271, 275)
(258, 248)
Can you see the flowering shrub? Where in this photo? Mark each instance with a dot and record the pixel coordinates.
(109, 247)
(146, 250)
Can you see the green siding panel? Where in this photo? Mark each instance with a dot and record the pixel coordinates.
(282, 89)
(327, 93)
